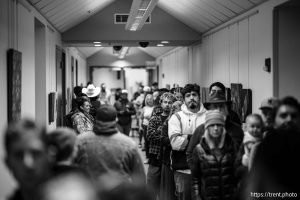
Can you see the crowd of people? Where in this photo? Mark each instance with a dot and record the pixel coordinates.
(194, 150)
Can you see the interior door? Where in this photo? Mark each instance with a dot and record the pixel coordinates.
(60, 86)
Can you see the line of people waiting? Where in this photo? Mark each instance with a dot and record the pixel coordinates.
(195, 150)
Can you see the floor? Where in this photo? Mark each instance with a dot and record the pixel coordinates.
(135, 137)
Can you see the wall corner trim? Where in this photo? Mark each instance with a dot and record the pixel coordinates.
(25, 4)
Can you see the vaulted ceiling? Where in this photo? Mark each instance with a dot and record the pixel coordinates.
(70, 17)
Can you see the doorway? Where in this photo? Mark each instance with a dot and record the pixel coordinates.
(40, 72)
(60, 86)
(286, 49)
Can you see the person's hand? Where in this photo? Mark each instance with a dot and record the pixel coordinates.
(122, 112)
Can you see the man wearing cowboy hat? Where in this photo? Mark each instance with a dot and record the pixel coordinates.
(217, 101)
(93, 93)
(125, 109)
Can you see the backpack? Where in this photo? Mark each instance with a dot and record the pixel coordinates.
(68, 118)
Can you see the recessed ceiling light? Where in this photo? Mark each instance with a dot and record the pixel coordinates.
(165, 42)
(160, 45)
(96, 42)
(97, 45)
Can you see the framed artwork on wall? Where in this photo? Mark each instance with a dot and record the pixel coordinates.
(51, 100)
(14, 84)
(241, 100)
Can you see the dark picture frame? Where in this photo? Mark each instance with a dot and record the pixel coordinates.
(51, 104)
(241, 100)
(14, 84)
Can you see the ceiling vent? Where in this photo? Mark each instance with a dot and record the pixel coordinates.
(120, 18)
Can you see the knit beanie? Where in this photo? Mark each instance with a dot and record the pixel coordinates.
(105, 122)
(106, 113)
(214, 117)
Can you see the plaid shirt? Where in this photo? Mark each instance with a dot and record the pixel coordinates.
(154, 134)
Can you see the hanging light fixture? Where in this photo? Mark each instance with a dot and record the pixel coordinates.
(139, 12)
(123, 52)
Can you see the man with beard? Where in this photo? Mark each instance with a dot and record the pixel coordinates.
(154, 136)
(216, 101)
(275, 166)
(181, 127)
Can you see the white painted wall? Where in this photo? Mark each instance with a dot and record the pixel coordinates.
(26, 46)
(234, 54)
(6, 181)
(174, 68)
(133, 77)
(17, 31)
(107, 76)
(40, 71)
(82, 71)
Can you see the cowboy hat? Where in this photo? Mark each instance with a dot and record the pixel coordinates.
(216, 97)
(91, 90)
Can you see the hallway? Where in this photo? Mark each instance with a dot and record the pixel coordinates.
(47, 47)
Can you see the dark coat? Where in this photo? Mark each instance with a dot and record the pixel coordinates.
(276, 165)
(214, 179)
(233, 129)
(124, 109)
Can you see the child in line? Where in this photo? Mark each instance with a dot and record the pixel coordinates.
(252, 136)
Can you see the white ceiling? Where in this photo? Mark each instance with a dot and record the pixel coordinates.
(156, 51)
(64, 14)
(89, 51)
(200, 15)
(203, 15)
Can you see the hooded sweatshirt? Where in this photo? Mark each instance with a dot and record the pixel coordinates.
(181, 127)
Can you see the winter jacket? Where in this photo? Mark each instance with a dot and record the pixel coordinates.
(213, 179)
(109, 152)
(181, 126)
(154, 135)
(233, 129)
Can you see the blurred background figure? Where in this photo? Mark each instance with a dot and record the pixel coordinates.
(104, 95)
(177, 92)
(115, 191)
(106, 151)
(92, 93)
(82, 120)
(138, 92)
(125, 110)
(77, 91)
(275, 165)
(267, 108)
(27, 158)
(144, 119)
(62, 145)
(154, 86)
(70, 186)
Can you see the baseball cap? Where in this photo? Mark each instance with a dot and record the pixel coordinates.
(270, 103)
